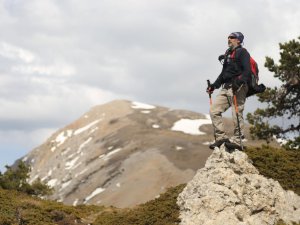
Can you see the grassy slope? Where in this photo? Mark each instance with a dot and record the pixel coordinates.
(160, 211)
(18, 208)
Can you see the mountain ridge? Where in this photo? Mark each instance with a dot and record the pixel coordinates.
(115, 152)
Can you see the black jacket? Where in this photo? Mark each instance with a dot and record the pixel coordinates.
(237, 67)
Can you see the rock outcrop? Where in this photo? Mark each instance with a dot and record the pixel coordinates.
(230, 190)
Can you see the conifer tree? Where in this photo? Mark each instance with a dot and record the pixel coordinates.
(282, 102)
(17, 179)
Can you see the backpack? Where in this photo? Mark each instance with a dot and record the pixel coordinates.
(253, 86)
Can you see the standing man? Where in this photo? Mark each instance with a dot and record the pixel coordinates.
(234, 77)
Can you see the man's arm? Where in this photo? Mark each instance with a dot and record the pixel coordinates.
(245, 66)
(219, 80)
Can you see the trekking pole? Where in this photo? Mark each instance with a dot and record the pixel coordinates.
(210, 104)
(237, 117)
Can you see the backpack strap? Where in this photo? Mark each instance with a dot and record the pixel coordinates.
(236, 53)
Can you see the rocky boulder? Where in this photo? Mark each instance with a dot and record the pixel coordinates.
(230, 190)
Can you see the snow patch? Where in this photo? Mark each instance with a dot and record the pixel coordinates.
(71, 156)
(82, 129)
(93, 130)
(66, 152)
(25, 159)
(106, 156)
(78, 164)
(178, 148)
(84, 144)
(33, 179)
(70, 164)
(44, 178)
(75, 202)
(118, 185)
(155, 126)
(52, 182)
(64, 185)
(82, 172)
(93, 194)
(139, 105)
(190, 126)
(61, 138)
(146, 111)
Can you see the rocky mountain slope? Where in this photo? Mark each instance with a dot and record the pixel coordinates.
(122, 153)
(230, 190)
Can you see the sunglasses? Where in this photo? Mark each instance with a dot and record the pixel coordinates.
(232, 37)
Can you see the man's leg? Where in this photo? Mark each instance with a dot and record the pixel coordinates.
(220, 105)
(241, 99)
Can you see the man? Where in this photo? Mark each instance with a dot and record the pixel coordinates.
(234, 77)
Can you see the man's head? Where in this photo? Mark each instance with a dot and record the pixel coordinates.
(235, 39)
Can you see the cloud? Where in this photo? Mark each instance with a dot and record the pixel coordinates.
(15, 53)
(62, 70)
(53, 109)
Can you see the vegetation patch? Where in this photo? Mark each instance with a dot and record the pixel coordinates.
(161, 211)
(21, 208)
(279, 164)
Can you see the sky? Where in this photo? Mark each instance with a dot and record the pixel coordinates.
(58, 58)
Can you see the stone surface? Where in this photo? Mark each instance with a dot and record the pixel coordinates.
(230, 190)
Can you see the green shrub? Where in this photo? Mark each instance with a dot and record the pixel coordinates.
(160, 211)
(279, 164)
(20, 208)
(280, 222)
(16, 179)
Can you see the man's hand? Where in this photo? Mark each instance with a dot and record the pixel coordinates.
(210, 89)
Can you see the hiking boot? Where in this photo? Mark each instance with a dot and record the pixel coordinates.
(218, 143)
(232, 146)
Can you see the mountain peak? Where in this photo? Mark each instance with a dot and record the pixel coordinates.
(121, 153)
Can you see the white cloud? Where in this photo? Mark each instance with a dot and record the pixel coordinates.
(13, 52)
(62, 102)
(58, 70)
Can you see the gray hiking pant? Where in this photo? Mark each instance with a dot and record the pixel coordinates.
(222, 102)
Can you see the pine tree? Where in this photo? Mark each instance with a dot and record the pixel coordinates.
(17, 179)
(282, 102)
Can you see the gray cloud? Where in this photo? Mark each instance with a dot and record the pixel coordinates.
(59, 58)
